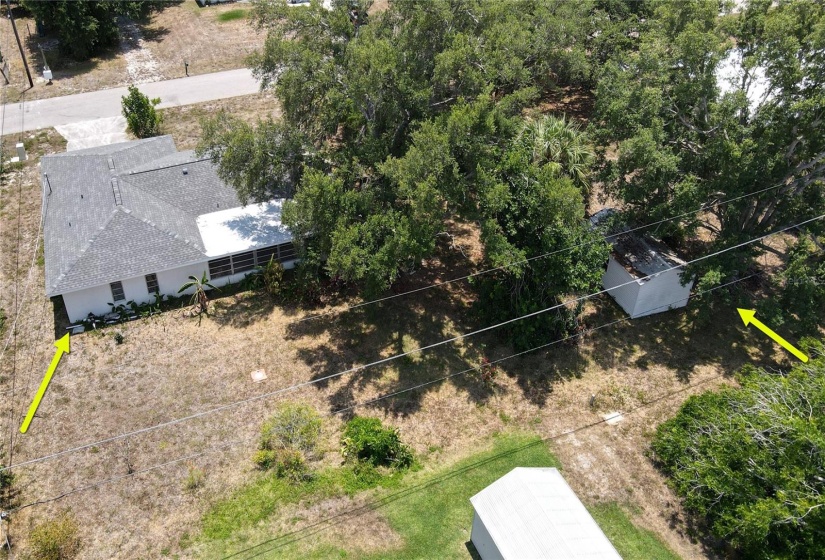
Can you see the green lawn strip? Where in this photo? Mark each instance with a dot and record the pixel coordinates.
(430, 511)
(632, 542)
(264, 497)
(232, 15)
(435, 522)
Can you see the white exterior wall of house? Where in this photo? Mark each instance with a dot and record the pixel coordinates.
(481, 539)
(96, 300)
(91, 300)
(639, 298)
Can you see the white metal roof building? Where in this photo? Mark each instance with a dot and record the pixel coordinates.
(532, 514)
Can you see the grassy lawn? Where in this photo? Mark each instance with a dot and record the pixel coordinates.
(632, 542)
(426, 515)
(232, 15)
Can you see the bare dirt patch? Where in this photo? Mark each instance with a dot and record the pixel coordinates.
(183, 123)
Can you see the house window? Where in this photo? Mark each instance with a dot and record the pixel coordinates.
(286, 252)
(219, 268)
(243, 262)
(152, 283)
(117, 291)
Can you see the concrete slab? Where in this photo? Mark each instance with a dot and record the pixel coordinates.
(613, 418)
(97, 132)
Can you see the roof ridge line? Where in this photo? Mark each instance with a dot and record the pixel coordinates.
(83, 153)
(166, 167)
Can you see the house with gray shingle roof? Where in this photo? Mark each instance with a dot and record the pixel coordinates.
(127, 221)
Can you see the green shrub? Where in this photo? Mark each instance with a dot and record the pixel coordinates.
(265, 458)
(367, 440)
(141, 117)
(747, 461)
(292, 465)
(287, 439)
(295, 427)
(272, 277)
(56, 539)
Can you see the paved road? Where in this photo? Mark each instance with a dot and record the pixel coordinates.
(45, 113)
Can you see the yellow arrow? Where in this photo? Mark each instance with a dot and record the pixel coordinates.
(748, 317)
(62, 347)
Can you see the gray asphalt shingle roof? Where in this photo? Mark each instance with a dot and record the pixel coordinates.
(90, 239)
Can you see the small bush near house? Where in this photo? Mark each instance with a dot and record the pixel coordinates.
(55, 539)
(272, 277)
(141, 117)
(367, 440)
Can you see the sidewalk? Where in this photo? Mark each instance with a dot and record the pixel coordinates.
(56, 111)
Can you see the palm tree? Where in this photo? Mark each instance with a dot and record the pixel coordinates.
(199, 298)
(559, 144)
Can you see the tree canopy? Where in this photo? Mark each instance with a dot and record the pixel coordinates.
(716, 105)
(395, 123)
(749, 460)
(89, 27)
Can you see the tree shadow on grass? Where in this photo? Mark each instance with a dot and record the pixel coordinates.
(677, 339)
(375, 333)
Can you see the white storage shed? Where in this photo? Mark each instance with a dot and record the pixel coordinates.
(642, 278)
(532, 514)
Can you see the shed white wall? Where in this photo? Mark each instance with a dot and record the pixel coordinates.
(662, 292)
(625, 295)
(482, 540)
(644, 297)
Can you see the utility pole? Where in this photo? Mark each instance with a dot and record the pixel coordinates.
(19, 45)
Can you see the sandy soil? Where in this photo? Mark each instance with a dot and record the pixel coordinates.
(149, 51)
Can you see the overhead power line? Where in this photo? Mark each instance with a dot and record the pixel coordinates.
(393, 394)
(390, 358)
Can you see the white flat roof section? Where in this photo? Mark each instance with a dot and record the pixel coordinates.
(533, 513)
(242, 229)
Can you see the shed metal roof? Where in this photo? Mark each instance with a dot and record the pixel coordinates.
(532, 514)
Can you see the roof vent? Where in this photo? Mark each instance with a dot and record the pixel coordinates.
(116, 192)
(111, 164)
(185, 171)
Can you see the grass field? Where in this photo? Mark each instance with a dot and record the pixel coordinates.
(232, 15)
(631, 541)
(428, 514)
